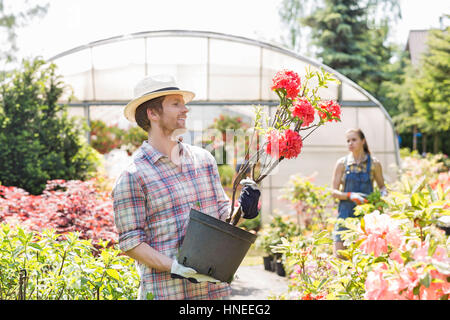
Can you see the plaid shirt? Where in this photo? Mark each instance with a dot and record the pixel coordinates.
(152, 201)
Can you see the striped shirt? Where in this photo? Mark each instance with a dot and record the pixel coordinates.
(152, 201)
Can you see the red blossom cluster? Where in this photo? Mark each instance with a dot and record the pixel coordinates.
(302, 109)
(331, 111)
(287, 80)
(287, 144)
(66, 206)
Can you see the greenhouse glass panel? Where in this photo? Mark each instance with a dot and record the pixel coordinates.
(272, 62)
(76, 69)
(185, 58)
(234, 71)
(333, 133)
(349, 93)
(372, 123)
(115, 78)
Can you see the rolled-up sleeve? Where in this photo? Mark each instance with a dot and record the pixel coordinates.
(129, 211)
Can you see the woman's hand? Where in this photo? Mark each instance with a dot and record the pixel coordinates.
(356, 197)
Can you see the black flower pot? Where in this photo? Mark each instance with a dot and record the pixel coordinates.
(214, 247)
(268, 263)
(280, 269)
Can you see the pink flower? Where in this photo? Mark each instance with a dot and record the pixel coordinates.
(380, 231)
(395, 255)
(287, 80)
(374, 244)
(302, 109)
(378, 288)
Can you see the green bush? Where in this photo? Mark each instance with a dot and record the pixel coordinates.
(271, 234)
(133, 139)
(42, 266)
(38, 141)
(105, 138)
(226, 173)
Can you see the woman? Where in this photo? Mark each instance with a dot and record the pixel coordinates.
(353, 179)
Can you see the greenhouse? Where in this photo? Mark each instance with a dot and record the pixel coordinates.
(229, 75)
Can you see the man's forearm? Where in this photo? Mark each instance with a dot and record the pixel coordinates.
(150, 257)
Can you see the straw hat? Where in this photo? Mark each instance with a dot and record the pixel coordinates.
(153, 87)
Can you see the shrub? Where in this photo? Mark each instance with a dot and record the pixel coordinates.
(272, 233)
(312, 203)
(65, 206)
(226, 173)
(133, 139)
(105, 138)
(46, 266)
(38, 142)
(399, 254)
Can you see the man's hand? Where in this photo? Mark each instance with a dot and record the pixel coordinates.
(249, 198)
(356, 197)
(179, 271)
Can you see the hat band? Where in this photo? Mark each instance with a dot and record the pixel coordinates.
(162, 89)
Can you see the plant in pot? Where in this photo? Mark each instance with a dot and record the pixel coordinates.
(266, 239)
(301, 110)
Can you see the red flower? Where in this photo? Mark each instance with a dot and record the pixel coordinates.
(333, 109)
(302, 109)
(273, 143)
(288, 80)
(287, 145)
(292, 144)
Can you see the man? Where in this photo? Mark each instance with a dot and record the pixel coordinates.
(154, 195)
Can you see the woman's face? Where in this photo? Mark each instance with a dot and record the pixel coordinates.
(354, 142)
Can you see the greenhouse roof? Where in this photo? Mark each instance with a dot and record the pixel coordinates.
(218, 67)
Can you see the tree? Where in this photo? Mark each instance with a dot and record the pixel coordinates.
(10, 21)
(349, 36)
(399, 92)
(38, 141)
(431, 90)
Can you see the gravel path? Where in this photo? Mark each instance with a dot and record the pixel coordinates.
(255, 283)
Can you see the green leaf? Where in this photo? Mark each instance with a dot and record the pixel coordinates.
(442, 267)
(113, 274)
(433, 194)
(426, 281)
(35, 246)
(419, 185)
(415, 200)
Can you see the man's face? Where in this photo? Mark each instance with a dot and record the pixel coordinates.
(174, 113)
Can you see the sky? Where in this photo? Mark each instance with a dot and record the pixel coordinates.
(68, 24)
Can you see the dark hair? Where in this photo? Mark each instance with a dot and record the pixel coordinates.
(141, 112)
(361, 136)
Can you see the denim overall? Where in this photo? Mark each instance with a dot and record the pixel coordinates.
(354, 182)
